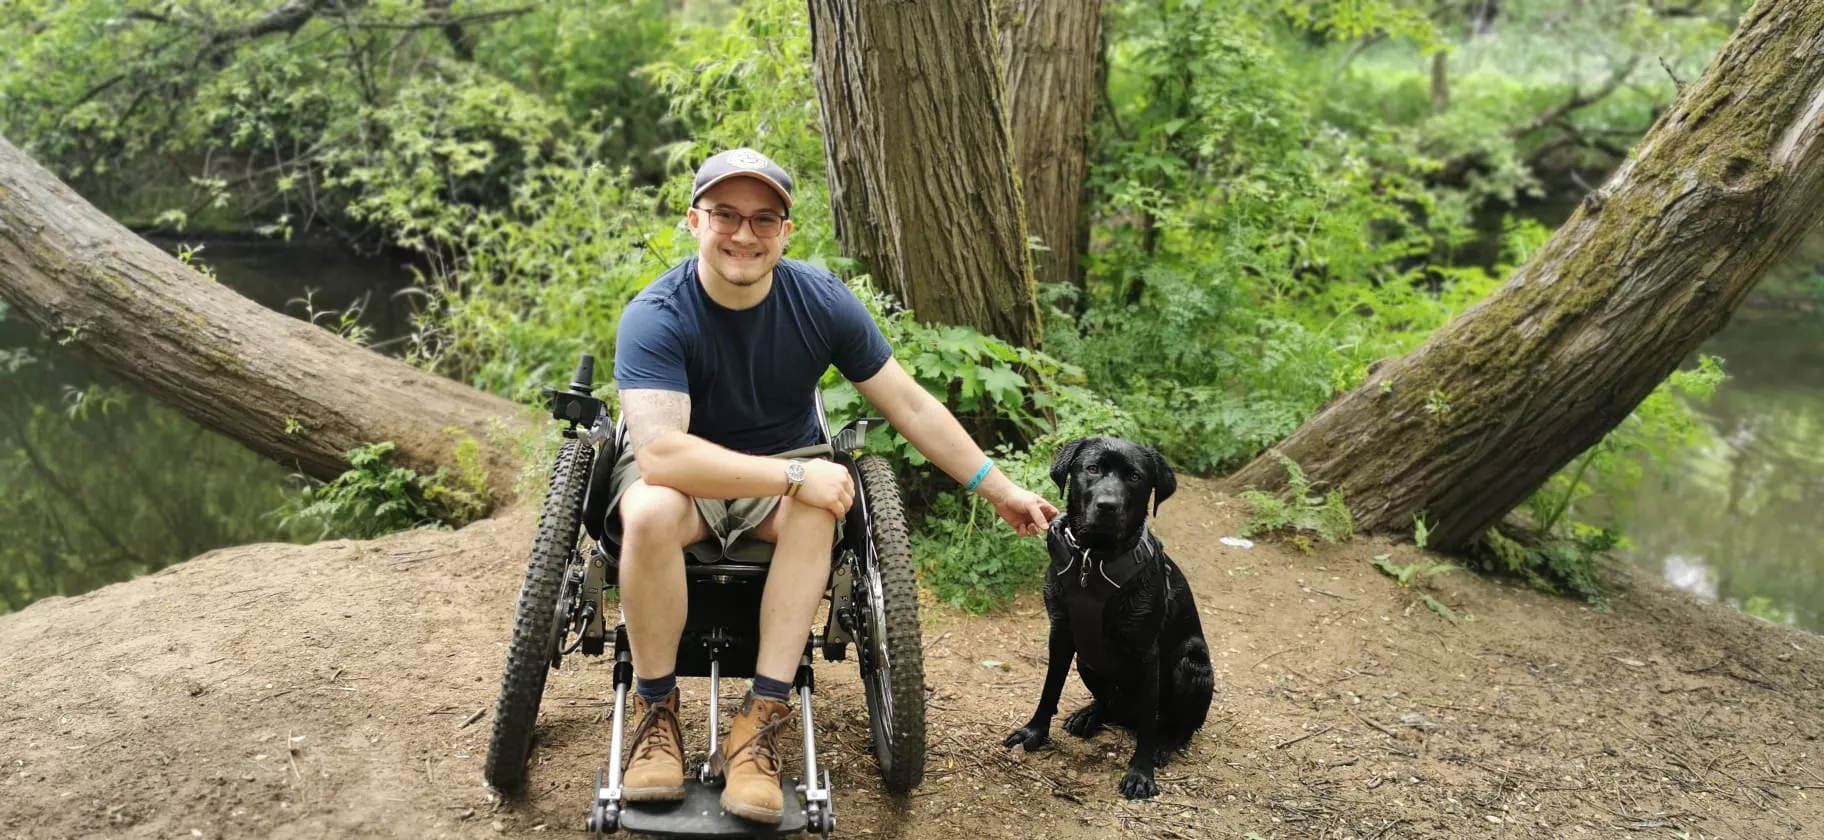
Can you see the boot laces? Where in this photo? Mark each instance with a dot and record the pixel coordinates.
(656, 732)
(763, 748)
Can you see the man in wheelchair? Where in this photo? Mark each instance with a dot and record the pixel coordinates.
(718, 362)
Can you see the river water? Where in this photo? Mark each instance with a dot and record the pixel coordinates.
(1734, 520)
(126, 486)
(98, 483)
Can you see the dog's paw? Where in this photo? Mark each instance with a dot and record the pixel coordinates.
(1138, 785)
(1084, 722)
(1163, 756)
(1029, 738)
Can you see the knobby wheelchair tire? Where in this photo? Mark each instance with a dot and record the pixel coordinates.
(895, 688)
(535, 623)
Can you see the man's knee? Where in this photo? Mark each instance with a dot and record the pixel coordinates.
(657, 516)
(794, 516)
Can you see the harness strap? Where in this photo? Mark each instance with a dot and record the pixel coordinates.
(1087, 599)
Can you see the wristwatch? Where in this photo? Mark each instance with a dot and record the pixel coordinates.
(794, 476)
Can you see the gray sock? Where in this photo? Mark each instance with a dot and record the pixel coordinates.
(653, 691)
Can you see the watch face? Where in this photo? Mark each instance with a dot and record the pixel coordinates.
(794, 471)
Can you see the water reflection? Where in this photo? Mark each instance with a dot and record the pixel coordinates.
(1736, 520)
(102, 484)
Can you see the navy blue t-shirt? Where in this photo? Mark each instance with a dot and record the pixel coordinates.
(750, 373)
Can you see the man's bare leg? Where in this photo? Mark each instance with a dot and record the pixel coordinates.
(802, 537)
(656, 524)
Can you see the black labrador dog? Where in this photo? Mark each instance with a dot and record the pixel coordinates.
(1122, 609)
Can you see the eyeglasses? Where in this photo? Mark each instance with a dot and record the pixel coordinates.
(765, 224)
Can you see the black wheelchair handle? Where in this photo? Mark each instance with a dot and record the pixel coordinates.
(584, 380)
(579, 406)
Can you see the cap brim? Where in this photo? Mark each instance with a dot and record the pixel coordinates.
(745, 173)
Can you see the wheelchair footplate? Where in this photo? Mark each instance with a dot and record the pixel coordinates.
(808, 805)
(700, 814)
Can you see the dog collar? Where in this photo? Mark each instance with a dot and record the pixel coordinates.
(1083, 557)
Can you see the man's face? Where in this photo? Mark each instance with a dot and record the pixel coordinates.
(739, 256)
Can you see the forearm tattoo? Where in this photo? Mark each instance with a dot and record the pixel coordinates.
(651, 413)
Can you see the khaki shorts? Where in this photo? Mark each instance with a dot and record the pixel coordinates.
(731, 521)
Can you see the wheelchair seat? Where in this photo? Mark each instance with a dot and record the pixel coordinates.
(707, 556)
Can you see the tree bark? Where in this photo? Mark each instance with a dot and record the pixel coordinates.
(1440, 82)
(1049, 50)
(287, 389)
(919, 160)
(1466, 426)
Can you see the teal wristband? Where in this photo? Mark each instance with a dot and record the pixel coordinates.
(979, 475)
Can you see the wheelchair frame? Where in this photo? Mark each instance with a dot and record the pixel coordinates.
(563, 597)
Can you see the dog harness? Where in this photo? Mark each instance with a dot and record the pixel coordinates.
(1087, 591)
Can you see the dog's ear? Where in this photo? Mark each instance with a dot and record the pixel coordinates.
(1062, 461)
(1165, 482)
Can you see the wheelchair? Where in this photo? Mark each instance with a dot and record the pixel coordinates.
(873, 604)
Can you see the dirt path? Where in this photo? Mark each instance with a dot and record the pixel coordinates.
(328, 691)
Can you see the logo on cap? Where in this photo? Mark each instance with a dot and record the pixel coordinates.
(748, 159)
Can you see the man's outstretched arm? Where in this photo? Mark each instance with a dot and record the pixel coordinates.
(936, 433)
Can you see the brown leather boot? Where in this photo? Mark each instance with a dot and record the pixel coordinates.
(749, 760)
(655, 770)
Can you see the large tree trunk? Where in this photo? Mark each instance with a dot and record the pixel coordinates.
(288, 390)
(1049, 50)
(1466, 426)
(919, 159)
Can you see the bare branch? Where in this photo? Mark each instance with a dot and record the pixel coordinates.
(1578, 100)
(482, 17)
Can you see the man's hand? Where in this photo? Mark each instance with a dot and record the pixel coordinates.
(1028, 512)
(827, 485)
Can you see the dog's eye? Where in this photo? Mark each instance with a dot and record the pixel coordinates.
(1092, 469)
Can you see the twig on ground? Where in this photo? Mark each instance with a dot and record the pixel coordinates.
(1284, 744)
(472, 718)
(1370, 721)
(1719, 661)
(103, 741)
(1264, 659)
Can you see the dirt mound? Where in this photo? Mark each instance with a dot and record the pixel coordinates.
(333, 691)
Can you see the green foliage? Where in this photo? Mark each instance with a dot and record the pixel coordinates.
(583, 58)
(374, 498)
(531, 282)
(197, 113)
(1300, 509)
(1248, 262)
(1410, 573)
(968, 557)
(1418, 572)
(1763, 608)
(1558, 564)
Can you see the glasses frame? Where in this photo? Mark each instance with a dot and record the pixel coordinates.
(744, 220)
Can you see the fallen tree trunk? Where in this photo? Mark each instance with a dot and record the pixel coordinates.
(1462, 429)
(288, 390)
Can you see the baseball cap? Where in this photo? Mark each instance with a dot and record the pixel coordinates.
(742, 163)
